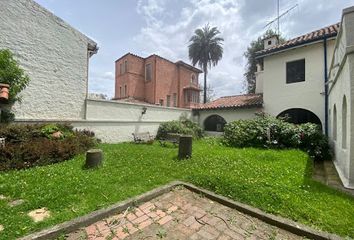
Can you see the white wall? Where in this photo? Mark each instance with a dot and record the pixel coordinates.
(114, 121)
(53, 54)
(229, 115)
(279, 96)
(341, 79)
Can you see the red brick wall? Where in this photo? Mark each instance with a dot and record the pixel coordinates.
(167, 79)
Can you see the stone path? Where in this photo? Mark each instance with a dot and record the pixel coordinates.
(326, 173)
(181, 214)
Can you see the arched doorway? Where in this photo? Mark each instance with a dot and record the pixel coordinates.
(214, 123)
(299, 116)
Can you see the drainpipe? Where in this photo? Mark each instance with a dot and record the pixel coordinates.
(326, 84)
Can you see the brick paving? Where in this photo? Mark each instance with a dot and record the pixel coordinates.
(181, 214)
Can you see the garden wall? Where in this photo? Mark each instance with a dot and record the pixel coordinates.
(114, 121)
(341, 100)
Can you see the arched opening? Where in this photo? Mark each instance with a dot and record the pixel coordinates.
(299, 116)
(334, 126)
(344, 123)
(214, 123)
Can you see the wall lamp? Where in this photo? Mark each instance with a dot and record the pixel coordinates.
(144, 110)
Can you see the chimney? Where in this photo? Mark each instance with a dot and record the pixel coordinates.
(271, 41)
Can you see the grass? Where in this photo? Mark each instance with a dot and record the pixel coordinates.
(276, 181)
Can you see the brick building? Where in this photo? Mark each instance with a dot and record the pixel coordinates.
(156, 80)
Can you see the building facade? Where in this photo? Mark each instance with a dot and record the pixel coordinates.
(53, 54)
(157, 81)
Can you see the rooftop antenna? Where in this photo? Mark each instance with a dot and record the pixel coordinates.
(280, 16)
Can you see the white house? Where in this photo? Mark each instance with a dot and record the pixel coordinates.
(309, 79)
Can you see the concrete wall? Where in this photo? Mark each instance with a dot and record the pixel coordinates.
(229, 115)
(53, 54)
(341, 79)
(279, 96)
(114, 121)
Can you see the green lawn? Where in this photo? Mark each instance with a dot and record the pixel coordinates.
(277, 181)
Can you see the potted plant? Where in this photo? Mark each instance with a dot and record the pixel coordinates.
(4, 92)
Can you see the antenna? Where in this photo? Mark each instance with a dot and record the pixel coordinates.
(280, 16)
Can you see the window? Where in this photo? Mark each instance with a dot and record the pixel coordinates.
(175, 100)
(123, 67)
(194, 79)
(125, 91)
(120, 92)
(334, 127)
(148, 72)
(269, 42)
(161, 102)
(295, 71)
(168, 100)
(344, 123)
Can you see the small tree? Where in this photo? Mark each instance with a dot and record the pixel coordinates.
(250, 54)
(12, 74)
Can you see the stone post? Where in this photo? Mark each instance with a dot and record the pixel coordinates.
(185, 147)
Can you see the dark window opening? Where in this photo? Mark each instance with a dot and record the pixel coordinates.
(295, 71)
(148, 72)
(214, 123)
(300, 116)
(269, 42)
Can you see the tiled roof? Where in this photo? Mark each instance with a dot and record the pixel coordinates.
(326, 32)
(238, 101)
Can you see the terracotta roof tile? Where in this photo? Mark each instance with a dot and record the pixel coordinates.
(329, 31)
(238, 101)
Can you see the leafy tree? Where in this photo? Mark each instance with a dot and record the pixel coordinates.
(250, 54)
(12, 74)
(206, 50)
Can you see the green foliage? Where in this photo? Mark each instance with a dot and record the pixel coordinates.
(270, 132)
(275, 181)
(250, 55)
(205, 50)
(33, 145)
(12, 74)
(183, 126)
(6, 116)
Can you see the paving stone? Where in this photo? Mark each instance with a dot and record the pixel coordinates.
(181, 214)
(39, 215)
(16, 203)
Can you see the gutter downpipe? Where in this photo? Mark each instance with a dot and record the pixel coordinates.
(326, 84)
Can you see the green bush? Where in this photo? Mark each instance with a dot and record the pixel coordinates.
(33, 145)
(270, 132)
(183, 126)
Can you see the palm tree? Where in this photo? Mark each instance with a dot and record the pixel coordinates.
(206, 50)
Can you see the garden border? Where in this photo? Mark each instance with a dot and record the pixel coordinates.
(283, 223)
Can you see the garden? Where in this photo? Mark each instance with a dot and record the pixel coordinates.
(265, 162)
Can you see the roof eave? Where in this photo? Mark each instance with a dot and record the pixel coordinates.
(231, 107)
(286, 48)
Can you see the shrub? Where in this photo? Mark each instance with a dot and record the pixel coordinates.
(183, 126)
(33, 145)
(270, 132)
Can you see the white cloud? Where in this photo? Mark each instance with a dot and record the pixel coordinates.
(171, 40)
(102, 83)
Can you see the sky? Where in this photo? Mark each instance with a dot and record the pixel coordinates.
(164, 27)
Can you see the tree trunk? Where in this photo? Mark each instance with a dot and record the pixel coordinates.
(94, 158)
(205, 83)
